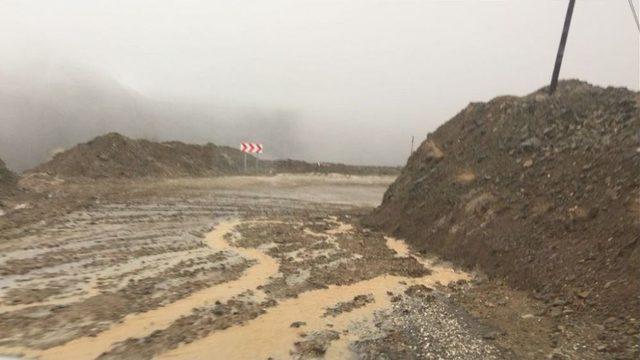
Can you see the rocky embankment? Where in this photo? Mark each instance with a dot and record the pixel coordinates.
(8, 181)
(540, 190)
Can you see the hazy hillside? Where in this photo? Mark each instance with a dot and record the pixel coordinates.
(55, 108)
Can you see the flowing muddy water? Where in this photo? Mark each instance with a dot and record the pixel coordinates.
(138, 325)
(272, 336)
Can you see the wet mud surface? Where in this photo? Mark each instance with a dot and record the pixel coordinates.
(254, 270)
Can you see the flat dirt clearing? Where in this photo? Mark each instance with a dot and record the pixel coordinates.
(244, 268)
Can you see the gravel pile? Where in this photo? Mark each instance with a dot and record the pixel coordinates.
(540, 190)
(426, 326)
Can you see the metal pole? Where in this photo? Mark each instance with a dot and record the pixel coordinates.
(563, 42)
(411, 145)
(635, 16)
(245, 162)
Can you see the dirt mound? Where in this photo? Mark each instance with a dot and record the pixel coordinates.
(540, 190)
(8, 181)
(117, 156)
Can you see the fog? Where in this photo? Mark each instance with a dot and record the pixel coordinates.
(346, 81)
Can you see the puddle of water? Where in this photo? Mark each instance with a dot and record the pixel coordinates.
(258, 340)
(140, 325)
(400, 247)
(444, 272)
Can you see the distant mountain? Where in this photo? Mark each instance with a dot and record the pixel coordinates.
(60, 107)
(53, 108)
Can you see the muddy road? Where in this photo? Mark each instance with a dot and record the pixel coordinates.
(250, 268)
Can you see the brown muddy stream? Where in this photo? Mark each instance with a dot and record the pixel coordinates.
(269, 335)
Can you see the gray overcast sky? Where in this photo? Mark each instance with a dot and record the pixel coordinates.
(353, 72)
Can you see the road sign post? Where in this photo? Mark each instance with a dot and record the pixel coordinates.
(251, 148)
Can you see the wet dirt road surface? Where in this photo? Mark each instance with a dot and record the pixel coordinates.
(232, 268)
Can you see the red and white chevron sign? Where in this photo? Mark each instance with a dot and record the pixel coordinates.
(251, 148)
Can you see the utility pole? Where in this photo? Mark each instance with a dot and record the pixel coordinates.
(635, 16)
(411, 146)
(563, 42)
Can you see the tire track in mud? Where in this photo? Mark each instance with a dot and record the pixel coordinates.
(142, 324)
(308, 307)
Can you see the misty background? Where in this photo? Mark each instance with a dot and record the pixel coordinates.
(341, 81)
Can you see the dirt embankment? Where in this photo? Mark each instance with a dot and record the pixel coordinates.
(8, 181)
(540, 190)
(116, 156)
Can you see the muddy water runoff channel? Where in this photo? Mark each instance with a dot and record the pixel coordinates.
(269, 334)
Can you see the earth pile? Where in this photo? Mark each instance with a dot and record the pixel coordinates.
(540, 190)
(8, 181)
(117, 156)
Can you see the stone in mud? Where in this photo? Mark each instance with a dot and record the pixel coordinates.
(583, 294)
(491, 335)
(315, 344)
(531, 143)
(418, 290)
(357, 302)
(297, 324)
(555, 312)
(218, 310)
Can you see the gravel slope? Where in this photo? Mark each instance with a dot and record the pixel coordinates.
(540, 190)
